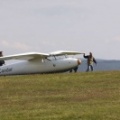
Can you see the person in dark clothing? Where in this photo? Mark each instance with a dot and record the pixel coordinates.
(90, 61)
(1, 61)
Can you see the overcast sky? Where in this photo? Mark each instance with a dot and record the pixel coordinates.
(50, 25)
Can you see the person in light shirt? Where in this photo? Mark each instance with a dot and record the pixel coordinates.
(90, 61)
(1, 61)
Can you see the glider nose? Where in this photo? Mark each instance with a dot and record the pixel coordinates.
(78, 61)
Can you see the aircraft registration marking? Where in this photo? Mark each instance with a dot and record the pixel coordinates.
(6, 70)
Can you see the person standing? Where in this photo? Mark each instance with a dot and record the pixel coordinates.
(90, 61)
(1, 61)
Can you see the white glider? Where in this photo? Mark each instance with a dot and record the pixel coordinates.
(35, 62)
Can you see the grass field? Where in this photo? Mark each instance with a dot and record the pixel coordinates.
(76, 96)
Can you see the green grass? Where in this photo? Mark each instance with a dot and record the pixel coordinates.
(78, 96)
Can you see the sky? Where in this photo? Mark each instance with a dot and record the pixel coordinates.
(50, 25)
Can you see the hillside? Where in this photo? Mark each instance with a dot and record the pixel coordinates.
(102, 65)
(75, 96)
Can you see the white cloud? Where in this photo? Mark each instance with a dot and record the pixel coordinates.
(5, 43)
(21, 46)
(15, 45)
(117, 39)
(48, 25)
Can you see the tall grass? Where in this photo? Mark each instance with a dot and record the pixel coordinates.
(79, 96)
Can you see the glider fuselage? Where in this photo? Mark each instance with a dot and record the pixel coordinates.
(39, 66)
